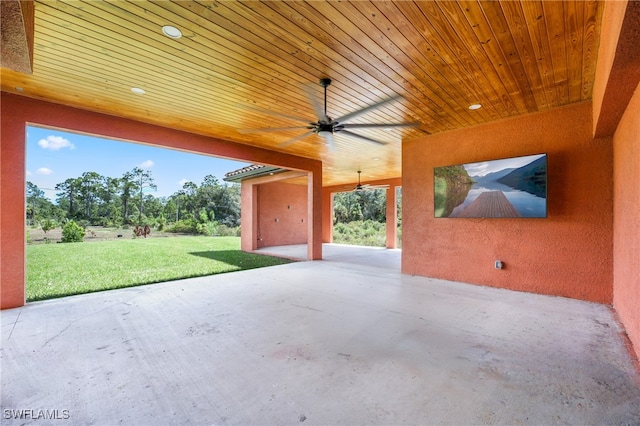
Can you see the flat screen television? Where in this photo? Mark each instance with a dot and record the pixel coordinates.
(509, 187)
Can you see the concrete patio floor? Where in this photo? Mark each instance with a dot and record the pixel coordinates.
(330, 342)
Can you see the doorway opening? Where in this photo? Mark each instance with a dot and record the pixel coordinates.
(360, 217)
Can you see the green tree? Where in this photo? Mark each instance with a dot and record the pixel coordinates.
(127, 187)
(68, 195)
(91, 189)
(190, 191)
(143, 180)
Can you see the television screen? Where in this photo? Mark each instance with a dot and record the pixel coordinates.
(510, 187)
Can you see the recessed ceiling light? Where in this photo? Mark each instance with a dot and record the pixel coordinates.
(138, 91)
(19, 89)
(171, 32)
(475, 106)
(376, 158)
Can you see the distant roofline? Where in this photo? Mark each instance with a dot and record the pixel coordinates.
(251, 171)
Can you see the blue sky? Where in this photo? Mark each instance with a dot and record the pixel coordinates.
(54, 156)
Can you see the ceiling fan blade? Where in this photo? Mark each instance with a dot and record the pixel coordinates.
(296, 139)
(364, 138)
(273, 113)
(317, 107)
(377, 125)
(272, 129)
(355, 114)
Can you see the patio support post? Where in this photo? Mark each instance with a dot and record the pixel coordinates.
(392, 218)
(327, 216)
(314, 214)
(249, 217)
(12, 210)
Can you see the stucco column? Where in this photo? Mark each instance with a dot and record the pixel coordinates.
(314, 212)
(249, 217)
(392, 218)
(12, 210)
(327, 216)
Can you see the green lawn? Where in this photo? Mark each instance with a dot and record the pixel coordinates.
(55, 270)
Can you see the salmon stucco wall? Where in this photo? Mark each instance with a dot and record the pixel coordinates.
(569, 253)
(282, 214)
(626, 222)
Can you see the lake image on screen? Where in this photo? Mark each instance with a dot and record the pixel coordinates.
(511, 187)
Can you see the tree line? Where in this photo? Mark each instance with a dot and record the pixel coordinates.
(362, 206)
(95, 200)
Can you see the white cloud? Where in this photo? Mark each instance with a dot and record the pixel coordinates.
(146, 164)
(44, 171)
(182, 181)
(29, 173)
(55, 143)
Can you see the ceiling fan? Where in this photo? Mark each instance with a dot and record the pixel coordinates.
(325, 126)
(366, 187)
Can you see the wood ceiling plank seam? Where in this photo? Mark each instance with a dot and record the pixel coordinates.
(293, 39)
(111, 107)
(450, 46)
(486, 39)
(332, 31)
(301, 90)
(250, 77)
(90, 62)
(414, 14)
(500, 29)
(416, 82)
(478, 63)
(59, 35)
(229, 60)
(232, 41)
(417, 18)
(116, 104)
(556, 35)
(323, 43)
(407, 53)
(441, 120)
(370, 18)
(517, 24)
(280, 58)
(574, 24)
(590, 43)
(143, 52)
(334, 64)
(537, 26)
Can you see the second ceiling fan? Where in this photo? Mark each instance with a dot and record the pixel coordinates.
(325, 126)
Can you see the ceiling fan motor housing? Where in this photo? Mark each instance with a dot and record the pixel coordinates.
(325, 82)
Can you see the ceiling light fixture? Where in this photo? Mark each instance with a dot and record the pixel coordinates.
(138, 91)
(475, 106)
(171, 32)
(325, 133)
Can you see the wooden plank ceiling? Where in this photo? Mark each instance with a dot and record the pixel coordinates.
(512, 57)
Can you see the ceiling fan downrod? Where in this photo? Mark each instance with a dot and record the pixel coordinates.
(325, 82)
